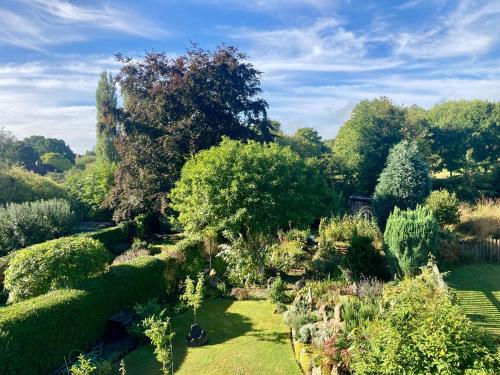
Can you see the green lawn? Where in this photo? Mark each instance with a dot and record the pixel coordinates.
(245, 337)
(478, 290)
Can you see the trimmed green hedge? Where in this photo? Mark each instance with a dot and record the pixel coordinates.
(36, 334)
(111, 237)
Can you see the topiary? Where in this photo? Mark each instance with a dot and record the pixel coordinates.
(404, 182)
(410, 236)
(444, 206)
(52, 265)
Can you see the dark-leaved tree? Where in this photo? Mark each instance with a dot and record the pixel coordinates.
(174, 108)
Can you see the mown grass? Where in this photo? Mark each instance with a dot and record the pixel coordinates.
(245, 337)
(478, 291)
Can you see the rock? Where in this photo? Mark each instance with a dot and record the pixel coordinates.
(197, 336)
(300, 284)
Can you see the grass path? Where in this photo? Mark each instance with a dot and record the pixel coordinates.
(245, 338)
(478, 291)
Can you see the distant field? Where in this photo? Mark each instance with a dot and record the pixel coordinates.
(478, 291)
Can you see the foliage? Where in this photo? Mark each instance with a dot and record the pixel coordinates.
(171, 112)
(190, 250)
(344, 228)
(18, 185)
(286, 255)
(362, 259)
(299, 315)
(90, 187)
(193, 295)
(363, 142)
(83, 366)
(444, 206)
(159, 331)
(51, 325)
(106, 132)
(276, 293)
(245, 259)
(24, 224)
(249, 188)
(45, 145)
(325, 262)
(481, 219)
(403, 183)
(356, 313)
(58, 264)
(306, 142)
(420, 331)
(410, 236)
(112, 238)
(59, 162)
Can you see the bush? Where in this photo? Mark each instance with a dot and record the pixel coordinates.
(56, 264)
(444, 206)
(112, 238)
(36, 334)
(57, 161)
(410, 236)
(24, 224)
(342, 229)
(277, 291)
(420, 331)
(362, 259)
(325, 263)
(17, 185)
(286, 255)
(190, 252)
(404, 182)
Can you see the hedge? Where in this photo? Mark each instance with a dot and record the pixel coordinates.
(111, 237)
(36, 335)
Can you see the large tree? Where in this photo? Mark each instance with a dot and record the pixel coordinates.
(250, 189)
(306, 142)
(174, 108)
(106, 129)
(44, 145)
(363, 143)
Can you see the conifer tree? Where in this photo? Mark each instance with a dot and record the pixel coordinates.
(404, 182)
(106, 103)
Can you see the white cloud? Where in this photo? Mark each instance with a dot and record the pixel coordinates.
(266, 5)
(41, 23)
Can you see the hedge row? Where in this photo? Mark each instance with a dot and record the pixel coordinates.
(111, 237)
(36, 335)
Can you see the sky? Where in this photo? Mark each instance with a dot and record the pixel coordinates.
(318, 58)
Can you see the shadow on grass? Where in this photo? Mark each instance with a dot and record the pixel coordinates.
(278, 338)
(213, 317)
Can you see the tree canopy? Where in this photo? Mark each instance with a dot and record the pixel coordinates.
(106, 128)
(44, 145)
(174, 108)
(249, 189)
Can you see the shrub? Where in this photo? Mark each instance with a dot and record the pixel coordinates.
(113, 238)
(355, 313)
(56, 264)
(342, 229)
(276, 293)
(286, 255)
(17, 185)
(404, 182)
(24, 224)
(362, 259)
(50, 326)
(420, 331)
(410, 236)
(325, 263)
(159, 331)
(190, 251)
(444, 206)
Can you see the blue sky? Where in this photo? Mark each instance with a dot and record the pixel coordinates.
(318, 57)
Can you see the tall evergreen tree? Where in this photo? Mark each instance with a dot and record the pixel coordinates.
(404, 182)
(106, 103)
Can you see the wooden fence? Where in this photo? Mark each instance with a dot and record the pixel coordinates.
(484, 250)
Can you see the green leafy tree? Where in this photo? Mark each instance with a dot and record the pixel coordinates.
(363, 143)
(7, 148)
(193, 295)
(410, 236)
(56, 160)
(90, 188)
(174, 108)
(306, 142)
(249, 188)
(44, 145)
(106, 129)
(404, 182)
(444, 206)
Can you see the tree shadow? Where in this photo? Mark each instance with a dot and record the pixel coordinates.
(278, 338)
(213, 317)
